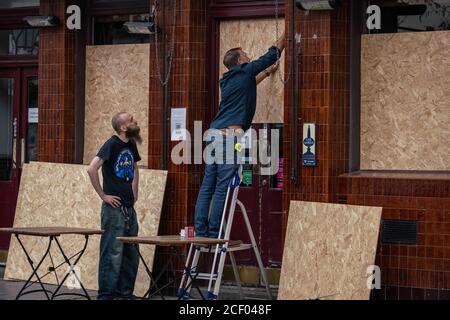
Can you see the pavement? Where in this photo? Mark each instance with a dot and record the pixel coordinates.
(9, 290)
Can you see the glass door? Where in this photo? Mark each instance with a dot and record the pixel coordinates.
(261, 193)
(30, 116)
(18, 137)
(7, 139)
(9, 151)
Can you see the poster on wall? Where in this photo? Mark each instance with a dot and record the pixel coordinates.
(33, 115)
(178, 124)
(309, 153)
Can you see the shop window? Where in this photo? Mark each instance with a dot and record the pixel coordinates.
(7, 4)
(19, 42)
(6, 128)
(118, 2)
(109, 30)
(32, 132)
(413, 15)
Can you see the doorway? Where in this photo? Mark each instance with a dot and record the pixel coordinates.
(18, 136)
(261, 193)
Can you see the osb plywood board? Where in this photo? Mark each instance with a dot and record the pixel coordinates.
(405, 101)
(255, 36)
(328, 248)
(62, 195)
(117, 79)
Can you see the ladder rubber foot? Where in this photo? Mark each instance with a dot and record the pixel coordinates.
(182, 293)
(211, 296)
(187, 297)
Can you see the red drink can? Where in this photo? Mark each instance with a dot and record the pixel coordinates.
(190, 232)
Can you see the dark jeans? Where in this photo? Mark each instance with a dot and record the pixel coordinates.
(119, 262)
(214, 186)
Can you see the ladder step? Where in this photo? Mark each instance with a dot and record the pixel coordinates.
(236, 248)
(245, 246)
(235, 245)
(206, 276)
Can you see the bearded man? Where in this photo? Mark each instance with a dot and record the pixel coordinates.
(118, 159)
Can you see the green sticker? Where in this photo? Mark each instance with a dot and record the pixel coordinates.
(247, 177)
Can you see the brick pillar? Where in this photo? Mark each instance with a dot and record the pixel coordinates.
(187, 89)
(56, 87)
(323, 99)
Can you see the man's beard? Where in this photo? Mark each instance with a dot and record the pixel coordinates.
(133, 133)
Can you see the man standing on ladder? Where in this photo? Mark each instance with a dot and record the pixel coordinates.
(236, 111)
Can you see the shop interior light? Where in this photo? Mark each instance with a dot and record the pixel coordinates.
(317, 4)
(42, 21)
(140, 27)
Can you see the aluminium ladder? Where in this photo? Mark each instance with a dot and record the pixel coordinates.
(215, 277)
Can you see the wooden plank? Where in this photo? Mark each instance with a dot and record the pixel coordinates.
(61, 195)
(255, 36)
(405, 96)
(117, 79)
(171, 240)
(328, 249)
(50, 231)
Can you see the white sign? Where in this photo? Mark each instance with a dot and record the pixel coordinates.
(178, 124)
(316, 4)
(33, 115)
(246, 140)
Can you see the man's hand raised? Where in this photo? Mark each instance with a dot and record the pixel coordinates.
(273, 68)
(281, 42)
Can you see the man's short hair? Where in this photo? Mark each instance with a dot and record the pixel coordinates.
(231, 58)
(117, 121)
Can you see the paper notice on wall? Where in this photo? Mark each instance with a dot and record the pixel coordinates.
(33, 115)
(178, 124)
(247, 139)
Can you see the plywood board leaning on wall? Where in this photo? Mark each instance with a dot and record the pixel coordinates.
(255, 36)
(405, 101)
(328, 248)
(117, 79)
(62, 195)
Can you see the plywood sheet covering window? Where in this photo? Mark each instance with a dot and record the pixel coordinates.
(328, 248)
(255, 36)
(117, 79)
(405, 101)
(62, 195)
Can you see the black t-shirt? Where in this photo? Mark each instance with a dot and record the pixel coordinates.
(118, 168)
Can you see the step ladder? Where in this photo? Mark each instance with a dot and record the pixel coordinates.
(220, 252)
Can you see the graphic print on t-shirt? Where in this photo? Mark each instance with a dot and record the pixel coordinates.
(124, 167)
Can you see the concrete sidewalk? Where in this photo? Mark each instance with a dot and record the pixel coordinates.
(9, 290)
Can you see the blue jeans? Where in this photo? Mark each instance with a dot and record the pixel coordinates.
(214, 187)
(119, 262)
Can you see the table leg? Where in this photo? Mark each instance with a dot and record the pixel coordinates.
(192, 276)
(153, 281)
(71, 270)
(35, 270)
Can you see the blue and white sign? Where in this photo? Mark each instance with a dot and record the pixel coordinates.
(309, 142)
